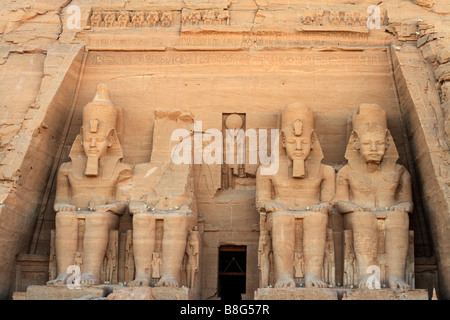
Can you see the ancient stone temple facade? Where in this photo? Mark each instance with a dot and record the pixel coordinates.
(217, 149)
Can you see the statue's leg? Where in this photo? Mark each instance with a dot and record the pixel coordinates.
(365, 237)
(397, 242)
(143, 247)
(189, 275)
(66, 242)
(96, 236)
(265, 263)
(283, 238)
(333, 276)
(351, 276)
(314, 241)
(174, 246)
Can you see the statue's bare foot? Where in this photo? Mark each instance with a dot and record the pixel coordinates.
(88, 279)
(142, 280)
(398, 283)
(167, 281)
(363, 282)
(61, 279)
(285, 281)
(315, 281)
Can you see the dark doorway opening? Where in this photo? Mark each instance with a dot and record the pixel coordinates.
(232, 272)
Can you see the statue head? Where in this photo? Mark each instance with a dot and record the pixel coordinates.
(370, 136)
(371, 142)
(297, 135)
(98, 130)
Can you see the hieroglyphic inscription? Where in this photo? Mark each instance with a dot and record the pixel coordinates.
(234, 59)
(247, 40)
(244, 40)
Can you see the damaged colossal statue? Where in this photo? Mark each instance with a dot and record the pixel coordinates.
(89, 195)
(164, 207)
(295, 202)
(373, 194)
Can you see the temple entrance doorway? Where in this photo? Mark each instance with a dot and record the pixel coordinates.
(232, 272)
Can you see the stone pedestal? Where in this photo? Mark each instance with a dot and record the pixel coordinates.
(339, 294)
(151, 293)
(385, 294)
(295, 294)
(66, 293)
(110, 292)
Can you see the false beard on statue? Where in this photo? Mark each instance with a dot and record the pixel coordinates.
(91, 166)
(298, 168)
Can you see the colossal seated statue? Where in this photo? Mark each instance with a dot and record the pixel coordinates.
(164, 207)
(298, 193)
(372, 190)
(89, 189)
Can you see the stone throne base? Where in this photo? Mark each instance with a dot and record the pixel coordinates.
(36, 292)
(116, 292)
(296, 294)
(152, 293)
(385, 294)
(339, 294)
(106, 292)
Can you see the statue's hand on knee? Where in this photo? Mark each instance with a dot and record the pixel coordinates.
(348, 207)
(64, 206)
(402, 207)
(138, 207)
(271, 206)
(322, 207)
(115, 207)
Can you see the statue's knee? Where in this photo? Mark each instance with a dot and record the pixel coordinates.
(283, 220)
(66, 219)
(317, 219)
(142, 220)
(397, 220)
(176, 221)
(99, 219)
(364, 217)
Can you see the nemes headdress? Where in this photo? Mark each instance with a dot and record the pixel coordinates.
(300, 119)
(297, 116)
(100, 116)
(370, 118)
(369, 115)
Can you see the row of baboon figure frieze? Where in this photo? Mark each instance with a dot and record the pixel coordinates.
(164, 18)
(127, 19)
